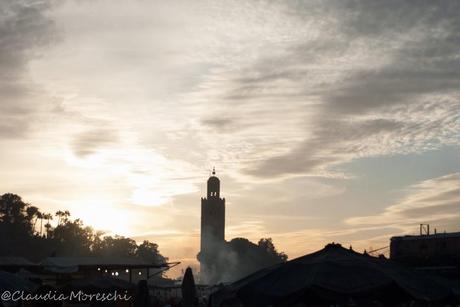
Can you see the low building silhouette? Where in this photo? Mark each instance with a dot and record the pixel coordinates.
(438, 252)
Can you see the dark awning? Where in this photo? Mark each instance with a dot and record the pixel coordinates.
(74, 264)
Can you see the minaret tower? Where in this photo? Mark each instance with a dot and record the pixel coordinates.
(212, 224)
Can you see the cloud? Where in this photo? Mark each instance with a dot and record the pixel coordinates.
(434, 201)
(257, 86)
(25, 28)
(220, 124)
(287, 92)
(384, 82)
(430, 124)
(88, 142)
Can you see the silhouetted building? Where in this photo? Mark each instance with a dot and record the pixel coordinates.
(14, 264)
(212, 227)
(438, 249)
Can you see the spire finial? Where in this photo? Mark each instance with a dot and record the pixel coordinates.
(213, 170)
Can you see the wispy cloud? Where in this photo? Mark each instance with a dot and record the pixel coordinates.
(393, 88)
(25, 30)
(89, 141)
(435, 201)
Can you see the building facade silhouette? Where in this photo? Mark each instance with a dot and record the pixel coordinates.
(428, 250)
(212, 228)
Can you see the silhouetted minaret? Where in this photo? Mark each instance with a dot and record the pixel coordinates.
(212, 224)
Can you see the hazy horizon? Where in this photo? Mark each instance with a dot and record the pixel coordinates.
(326, 120)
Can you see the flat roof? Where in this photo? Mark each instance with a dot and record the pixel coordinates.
(16, 262)
(114, 262)
(439, 235)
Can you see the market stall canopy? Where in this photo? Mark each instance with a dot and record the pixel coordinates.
(15, 263)
(74, 264)
(333, 274)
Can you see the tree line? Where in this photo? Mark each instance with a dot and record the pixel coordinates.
(25, 231)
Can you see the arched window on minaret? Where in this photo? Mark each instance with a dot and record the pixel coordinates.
(213, 185)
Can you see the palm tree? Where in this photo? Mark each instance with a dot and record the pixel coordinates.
(47, 217)
(32, 214)
(31, 211)
(63, 216)
(59, 215)
(48, 229)
(66, 215)
(40, 216)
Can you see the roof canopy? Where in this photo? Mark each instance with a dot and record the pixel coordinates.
(16, 262)
(333, 274)
(73, 264)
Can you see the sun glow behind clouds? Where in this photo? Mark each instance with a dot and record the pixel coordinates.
(150, 178)
(101, 214)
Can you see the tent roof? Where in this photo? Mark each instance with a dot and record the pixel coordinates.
(333, 272)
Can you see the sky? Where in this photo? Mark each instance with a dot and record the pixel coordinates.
(327, 121)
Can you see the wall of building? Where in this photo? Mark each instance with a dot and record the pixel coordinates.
(435, 249)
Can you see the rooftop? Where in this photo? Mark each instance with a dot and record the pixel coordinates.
(427, 237)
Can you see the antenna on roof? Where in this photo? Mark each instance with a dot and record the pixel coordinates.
(424, 229)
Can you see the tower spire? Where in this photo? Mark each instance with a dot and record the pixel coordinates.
(213, 170)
